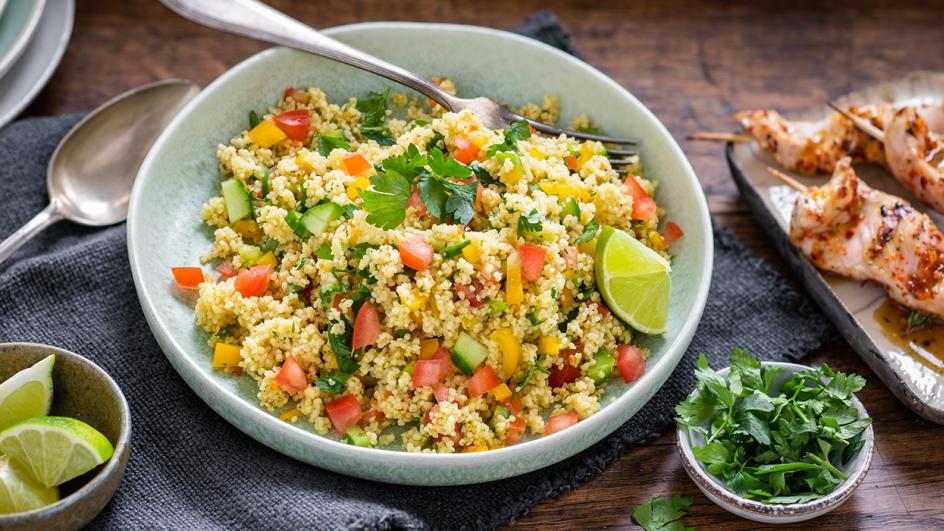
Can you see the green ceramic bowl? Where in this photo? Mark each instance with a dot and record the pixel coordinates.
(180, 173)
(84, 391)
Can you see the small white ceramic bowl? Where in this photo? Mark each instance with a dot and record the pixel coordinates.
(718, 492)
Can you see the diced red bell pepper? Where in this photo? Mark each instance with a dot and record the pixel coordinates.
(563, 375)
(470, 294)
(372, 415)
(188, 277)
(254, 281)
(416, 253)
(483, 381)
(291, 377)
(466, 151)
(672, 233)
(559, 422)
(356, 164)
(293, 123)
(630, 362)
(366, 327)
(532, 261)
(344, 412)
(643, 205)
(226, 270)
(417, 203)
(571, 162)
(293, 93)
(514, 430)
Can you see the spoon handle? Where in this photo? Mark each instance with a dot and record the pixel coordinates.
(47, 217)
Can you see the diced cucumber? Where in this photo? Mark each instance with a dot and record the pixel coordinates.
(318, 217)
(294, 220)
(357, 436)
(602, 367)
(468, 354)
(571, 208)
(501, 412)
(249, 254)
(237, 198)
(497, 306)
(410, 367)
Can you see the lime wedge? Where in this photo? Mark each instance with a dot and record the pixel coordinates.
(19, 492)
(55, 449)
(634, 280)
(27, 393)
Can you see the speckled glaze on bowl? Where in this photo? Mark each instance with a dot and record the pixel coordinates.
(84, 391)
(180, 173)
(715, 489)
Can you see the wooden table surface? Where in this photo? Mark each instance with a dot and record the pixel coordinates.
(693, 63)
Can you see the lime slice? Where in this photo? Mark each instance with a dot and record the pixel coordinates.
(55, 449)
(19, 492)
(634, 280)
(27, 393)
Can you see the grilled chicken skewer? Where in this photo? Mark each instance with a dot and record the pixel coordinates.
(851, 229)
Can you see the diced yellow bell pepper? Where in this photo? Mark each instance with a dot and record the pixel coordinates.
(301, 159)
(330, 362)
(472, 253)
(501, 393)
(536, 154)
(415, 300)
(226, 356)
(287, 415)
(587, 152)
(267, 259)
(248, 229)
(587, 247)
(565, 191)
(266, 134)
(510, 348)
(549, 345)
(475, 448)
(354, 189)
(514, 290)
(428, 347)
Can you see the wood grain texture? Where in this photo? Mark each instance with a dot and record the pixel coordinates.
(693, 63)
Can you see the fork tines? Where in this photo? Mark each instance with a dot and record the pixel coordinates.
(551, 130)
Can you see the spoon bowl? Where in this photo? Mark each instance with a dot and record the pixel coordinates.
(93, 169)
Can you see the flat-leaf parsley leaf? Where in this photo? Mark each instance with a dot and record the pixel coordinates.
(663, 514)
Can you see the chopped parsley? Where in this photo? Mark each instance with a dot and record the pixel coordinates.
(445, 198)
(373, 111)
(332, 382)
(295, 288)
(269, 246)
(481, 174)
(663, 514)
(916, 320)
(341, 346)
(517, 131)
(326, 143)
(536, 367)
(360, 249)
(253, 119)
(589, 232)
(324, 252)
(530, 222)
(385, 202)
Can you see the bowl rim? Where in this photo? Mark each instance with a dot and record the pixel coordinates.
(727, 497)
(114, 464)
(211, 390)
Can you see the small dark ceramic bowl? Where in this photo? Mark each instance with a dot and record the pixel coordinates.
(84, 391)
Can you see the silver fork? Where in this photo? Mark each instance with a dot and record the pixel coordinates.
(256, 20)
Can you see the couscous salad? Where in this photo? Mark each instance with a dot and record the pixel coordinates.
(423, 282)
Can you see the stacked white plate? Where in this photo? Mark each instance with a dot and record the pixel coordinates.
(33, 37)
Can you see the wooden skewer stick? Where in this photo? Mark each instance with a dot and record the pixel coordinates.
(721, 137)
(795, 184)
(866, 126)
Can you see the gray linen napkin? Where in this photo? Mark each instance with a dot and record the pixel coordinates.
(189, 469)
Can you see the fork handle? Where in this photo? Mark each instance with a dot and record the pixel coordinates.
(256, 20)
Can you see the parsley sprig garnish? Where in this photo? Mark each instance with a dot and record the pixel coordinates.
(663, 514)
(529, 222)
(514, 133)
(776, 448)
(589, 231)
(373, 111)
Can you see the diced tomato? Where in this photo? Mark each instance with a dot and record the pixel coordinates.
(483, 381)
(187, 277)
(372, 415)
(559, 422)
(366, 327)
(514, 430)
(356, 164)
(254, 281)
(571, 257)
(466, 151)
(226, 269)
(293, 123)
(417, 203)
(601, 309)
(336, 303)
(478, 193)
(672, 233)
(416, 253)
(514, 405)
(344, 412)
(630, 362)
(294, 94)
(441, 392)
(532, 261)
(470, 294)
(571, 163)
(427, 372)
(564, 375)
(291, 377)
(643, 205)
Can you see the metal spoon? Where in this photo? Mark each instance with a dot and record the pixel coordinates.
(92, 170)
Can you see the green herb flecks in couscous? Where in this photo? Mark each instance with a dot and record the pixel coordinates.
(421, 282)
